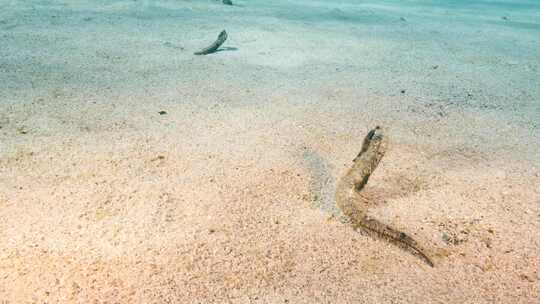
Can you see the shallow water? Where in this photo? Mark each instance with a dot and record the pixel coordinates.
(479, 55)
(228, 192)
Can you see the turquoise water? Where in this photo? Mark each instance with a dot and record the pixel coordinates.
(480, 55)
(132, 170)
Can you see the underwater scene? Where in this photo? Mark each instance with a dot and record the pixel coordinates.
(249, 151)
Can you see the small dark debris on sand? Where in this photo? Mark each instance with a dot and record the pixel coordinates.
(157, 158)
(162, 112)
(214, 46)
(22, 130)
(170, 45)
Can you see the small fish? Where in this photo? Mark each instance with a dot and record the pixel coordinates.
(214, 46)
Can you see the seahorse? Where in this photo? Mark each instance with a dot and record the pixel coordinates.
(355, 206)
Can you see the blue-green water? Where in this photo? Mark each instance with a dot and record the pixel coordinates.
(472, 55)
(133, 171)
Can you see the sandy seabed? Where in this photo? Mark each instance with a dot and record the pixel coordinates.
(226, 196)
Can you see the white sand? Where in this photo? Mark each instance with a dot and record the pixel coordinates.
(228, 198)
